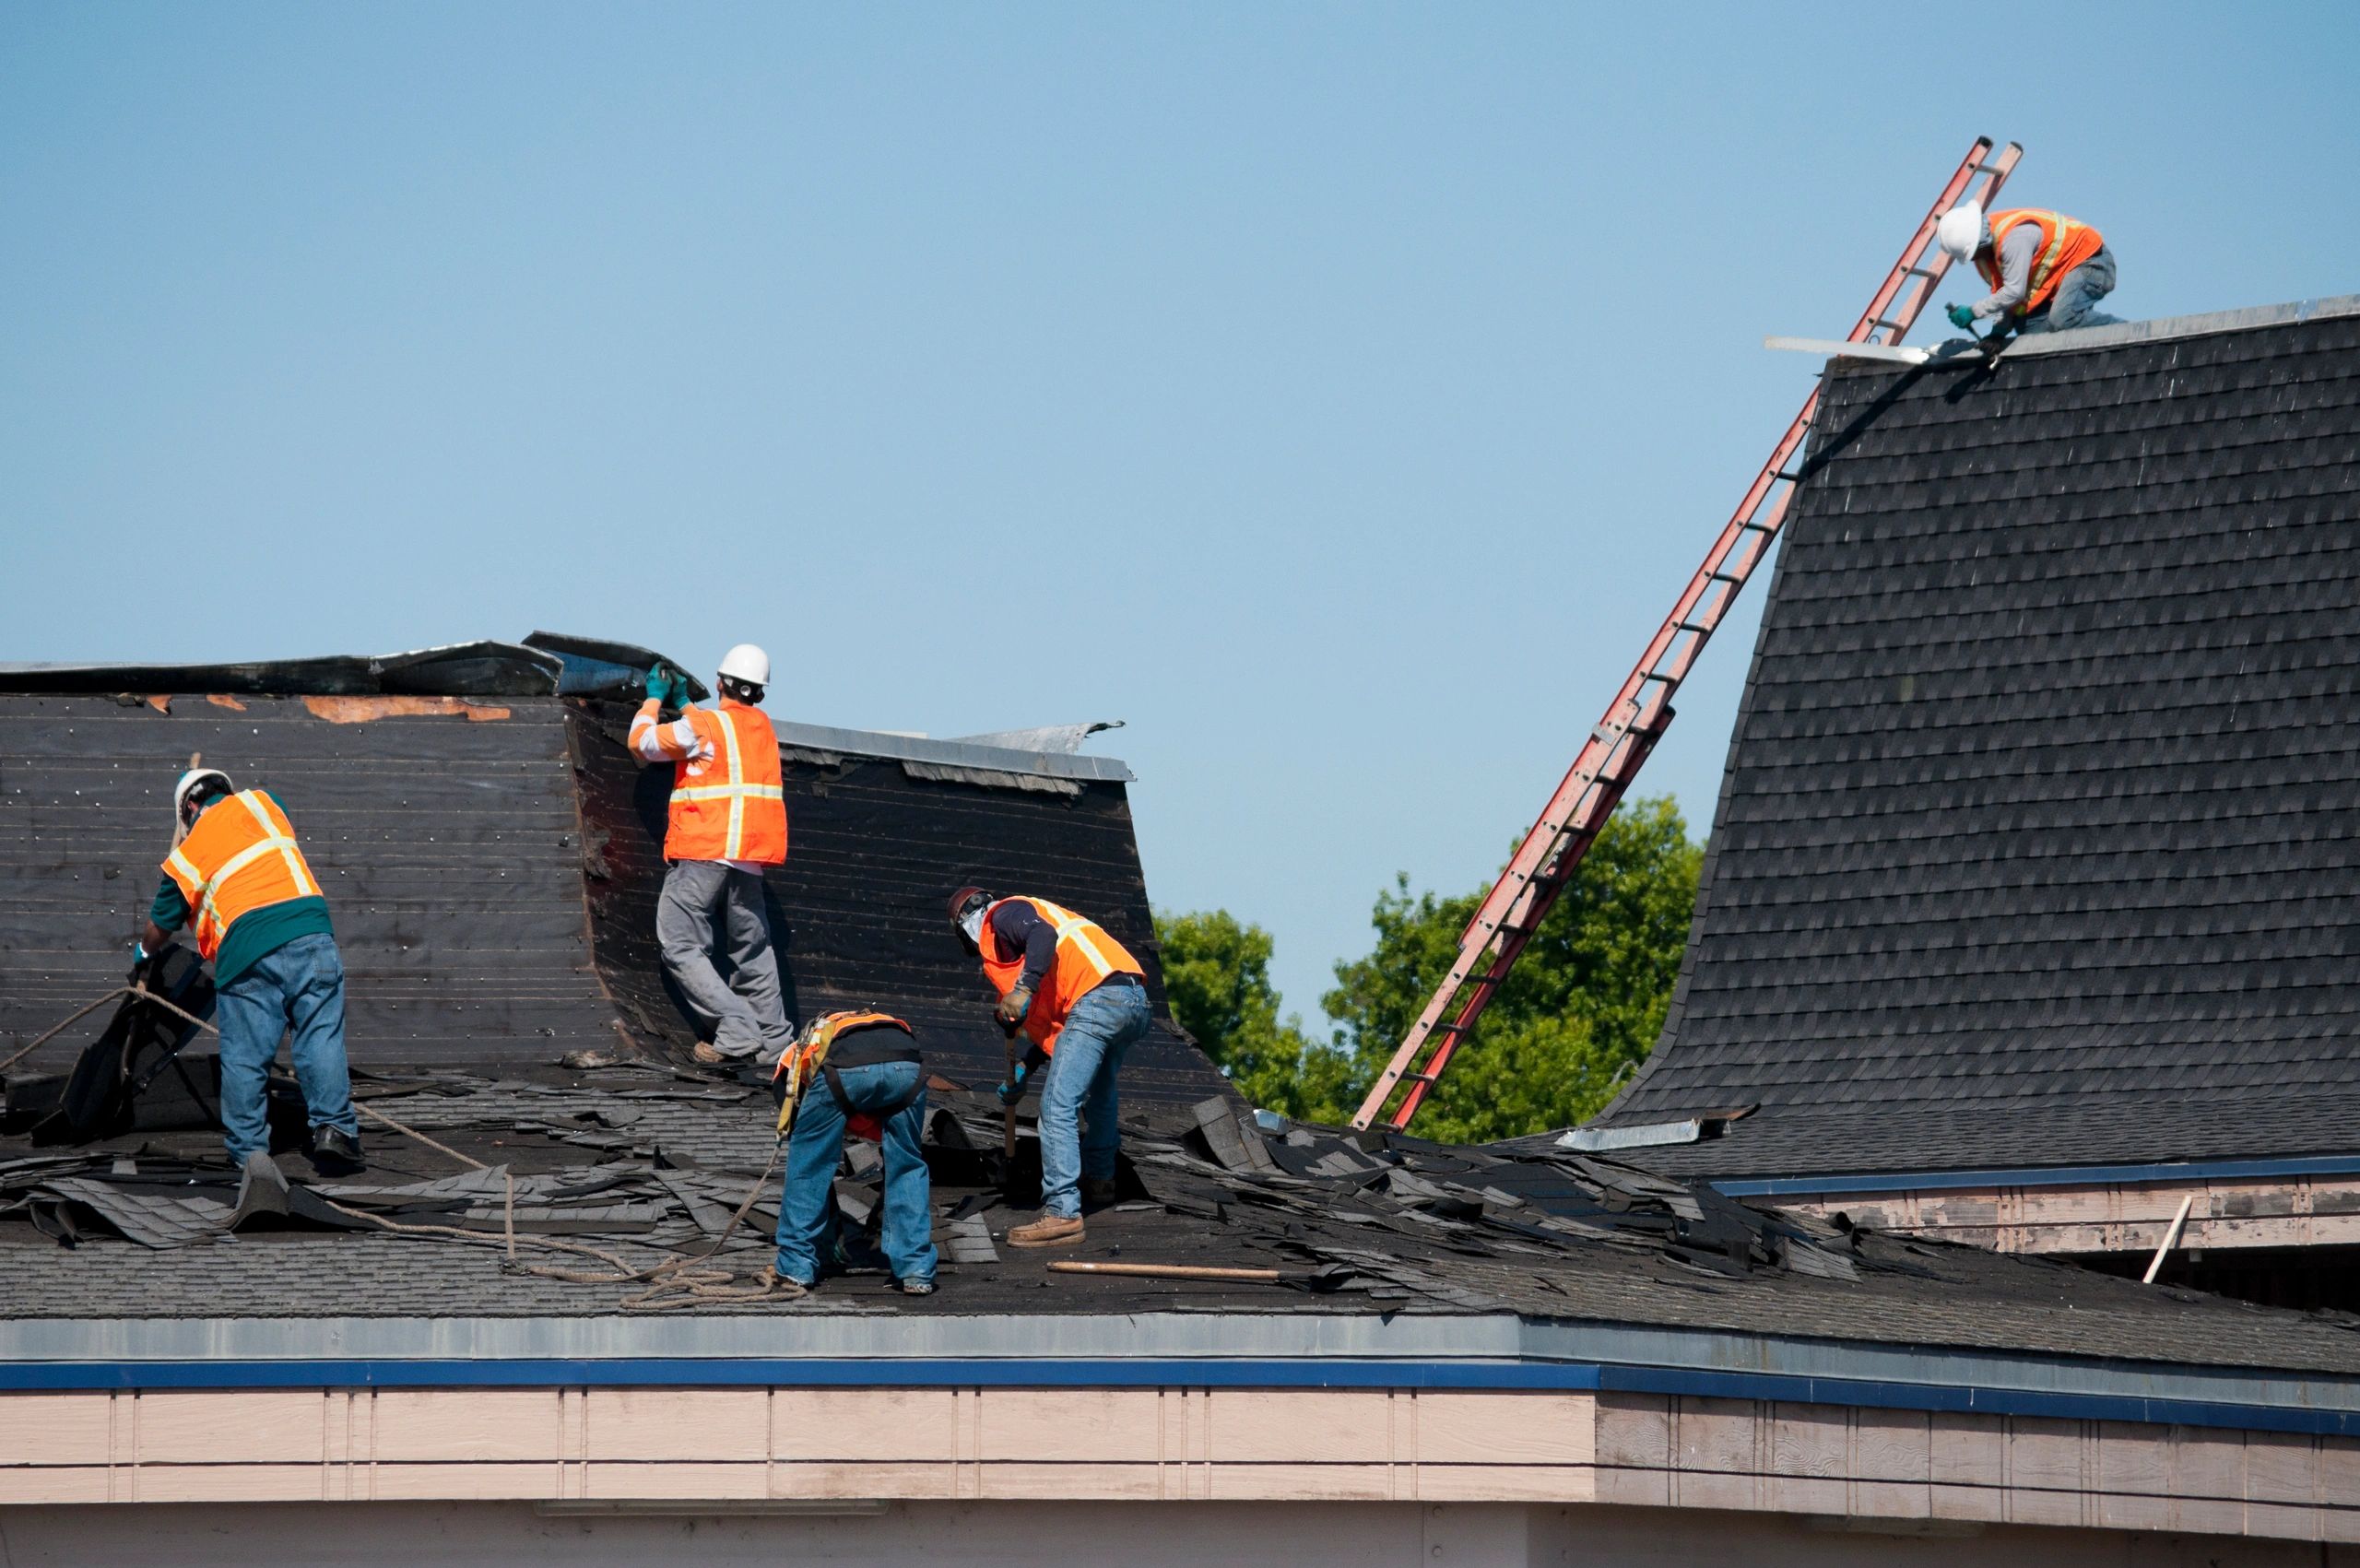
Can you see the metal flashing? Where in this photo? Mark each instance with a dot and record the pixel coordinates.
(951, 753)
(2163, 329)
(2042, 1176)
(1647, 1135)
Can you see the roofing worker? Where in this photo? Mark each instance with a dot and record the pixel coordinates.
(2047, 271)
(871, 1084)
(1082, 1001)
(728, 821)
(238, 874)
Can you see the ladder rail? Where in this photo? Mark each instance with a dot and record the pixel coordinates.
(1545, 860)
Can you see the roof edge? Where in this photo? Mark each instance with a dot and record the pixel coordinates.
(1271, 1350)
(2161, 329)
(1096, 1350)
(2165, 328)
(952, 753)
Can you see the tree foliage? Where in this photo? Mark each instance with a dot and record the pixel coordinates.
(1582, 1007)
(1216, 977)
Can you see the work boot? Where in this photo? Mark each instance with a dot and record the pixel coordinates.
(706, 1054)
(915, 1286)
(778, 1286)
(1098, 1192)
(1049, 1231)
(334, 1149)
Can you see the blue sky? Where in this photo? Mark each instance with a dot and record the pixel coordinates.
(1338, 395)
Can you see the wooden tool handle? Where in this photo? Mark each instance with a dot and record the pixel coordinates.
(1167, 1271)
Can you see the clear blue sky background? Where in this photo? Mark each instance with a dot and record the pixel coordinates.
(1336, 394)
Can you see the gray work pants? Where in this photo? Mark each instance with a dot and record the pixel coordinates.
(2075, 303)
(704, 904)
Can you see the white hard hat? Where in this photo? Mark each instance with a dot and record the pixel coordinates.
(1960, 231)
(190, 780)
(747, 663)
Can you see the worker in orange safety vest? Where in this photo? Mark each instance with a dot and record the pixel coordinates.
(1081, 1000)
(728, 824)
(2046, 272)
(237, 874)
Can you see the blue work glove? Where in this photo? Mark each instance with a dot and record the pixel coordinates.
(1013, 1089)
(1961, 317)
(664, 690)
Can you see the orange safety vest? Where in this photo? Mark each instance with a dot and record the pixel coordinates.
(239, 858)
(731, 804)
(2066, 243)
(1086, 955)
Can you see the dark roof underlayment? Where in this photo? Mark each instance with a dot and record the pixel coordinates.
(491, 853)
(2037, 842)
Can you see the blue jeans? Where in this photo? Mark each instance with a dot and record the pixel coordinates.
(1079, 1094)
(2075, 303)
(818, 1147)
(297, 988)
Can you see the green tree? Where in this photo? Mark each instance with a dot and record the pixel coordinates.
(1582, 1006)
(1216, 977)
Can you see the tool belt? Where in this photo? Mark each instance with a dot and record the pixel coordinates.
(807, 1059)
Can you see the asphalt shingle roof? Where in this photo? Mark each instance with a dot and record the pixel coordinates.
(2036, 843)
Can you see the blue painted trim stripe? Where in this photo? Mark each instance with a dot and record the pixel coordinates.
(688, 1372)
(2043, 1176)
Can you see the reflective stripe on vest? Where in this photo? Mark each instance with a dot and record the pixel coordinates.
(202, 889)
(2066, 243)
(754, 826)
(1064, 984)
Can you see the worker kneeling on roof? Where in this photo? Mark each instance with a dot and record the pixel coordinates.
(1081, 1000)
(728, 821)
(2047, 271)
(237, 875)
(856, 1072)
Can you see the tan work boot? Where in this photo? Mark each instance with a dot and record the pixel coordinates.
(1049, 1231)
(705, 1053)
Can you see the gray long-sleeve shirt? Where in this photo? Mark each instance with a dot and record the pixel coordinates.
(2017, 254)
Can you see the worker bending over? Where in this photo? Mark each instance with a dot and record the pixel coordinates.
(1081, 1000)
(728, 821)
(237, 876)
(856, 1072)
(2047, 271)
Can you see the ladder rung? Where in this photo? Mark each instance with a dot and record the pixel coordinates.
(1724, 577)
(1916, 272)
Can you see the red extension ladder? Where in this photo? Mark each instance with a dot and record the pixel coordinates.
(1545, 861)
